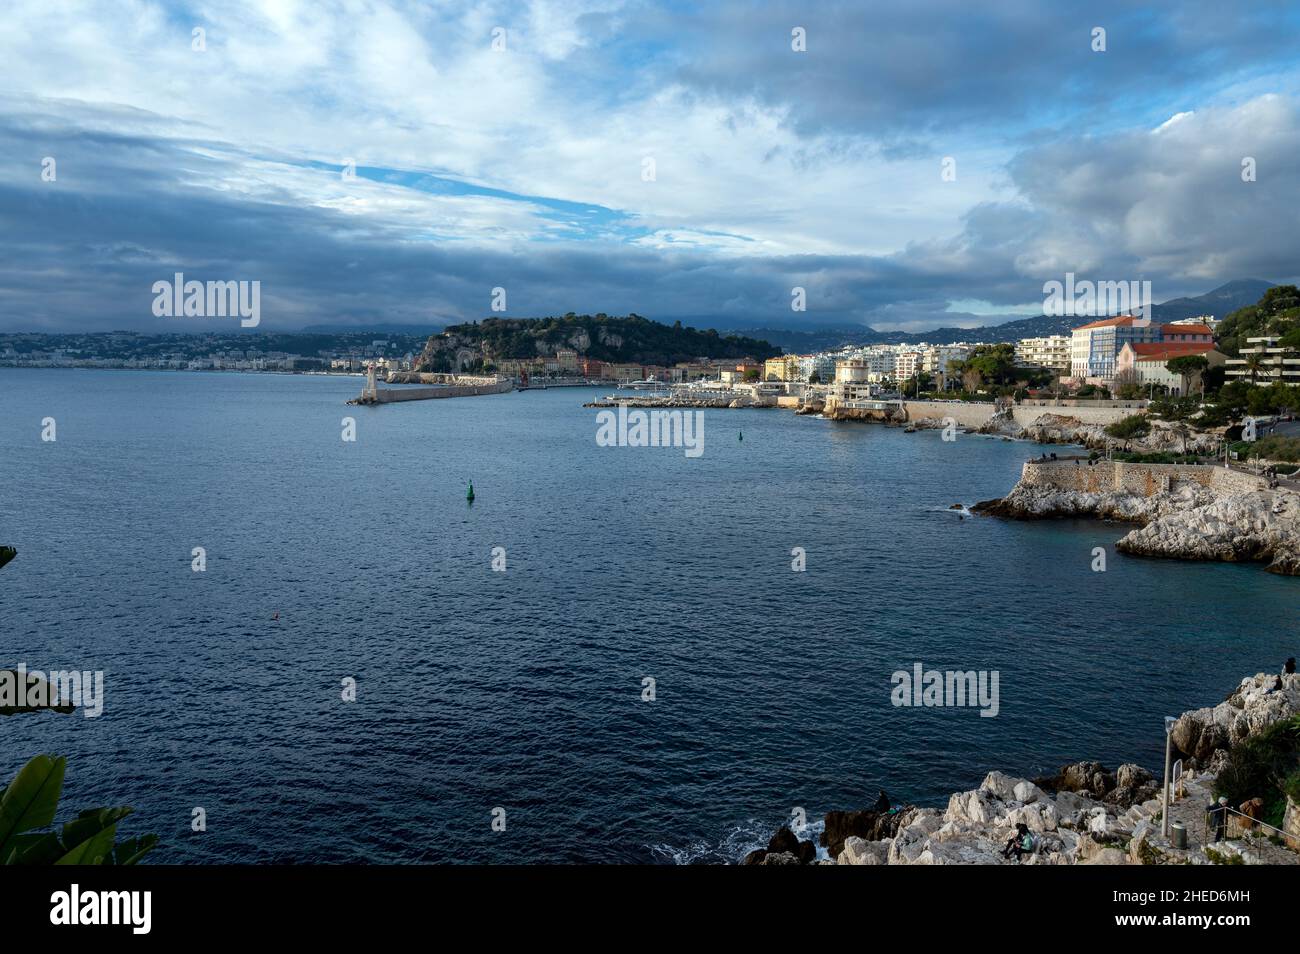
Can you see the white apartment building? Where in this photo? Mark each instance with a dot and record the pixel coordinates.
(1275, 363)
(1051, 352)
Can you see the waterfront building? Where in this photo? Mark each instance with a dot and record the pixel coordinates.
(781, 368)
(821, 365)
(625, 372)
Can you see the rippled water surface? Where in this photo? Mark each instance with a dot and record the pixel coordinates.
(522, 689)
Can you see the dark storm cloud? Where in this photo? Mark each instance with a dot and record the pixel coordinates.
(897, 72)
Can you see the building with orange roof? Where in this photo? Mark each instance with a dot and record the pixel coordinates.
(1147, 361)
(1094, 347)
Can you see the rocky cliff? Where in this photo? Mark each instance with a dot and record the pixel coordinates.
(1049, 428)
(1084, 814)
(1189, 513)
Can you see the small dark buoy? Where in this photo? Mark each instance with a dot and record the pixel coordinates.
(275, 615)
(742, 435)
(469, 494)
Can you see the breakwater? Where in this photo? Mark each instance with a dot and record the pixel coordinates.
(442, 386)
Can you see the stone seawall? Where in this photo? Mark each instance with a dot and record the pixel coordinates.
(391, 395)
(1144, 480)
(1184, 511)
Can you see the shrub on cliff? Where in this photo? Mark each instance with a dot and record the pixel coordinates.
(1277, 448)
(1128, 428)
(1263, 766)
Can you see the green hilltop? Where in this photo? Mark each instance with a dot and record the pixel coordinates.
(631, 339)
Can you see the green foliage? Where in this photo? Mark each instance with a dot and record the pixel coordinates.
(29, 803)
(1261, 767)
(1133, 426)
(1187, 364)
(1223, 857)
(1277, 313)
(1291, 786)
(1093, 392)
(1159, 457)
(1276, 448)
(630, 339)
(995, 365)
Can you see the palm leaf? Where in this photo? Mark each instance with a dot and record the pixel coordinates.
(94, 850)
(31, 799)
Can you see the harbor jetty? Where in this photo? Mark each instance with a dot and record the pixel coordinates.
(438, 386)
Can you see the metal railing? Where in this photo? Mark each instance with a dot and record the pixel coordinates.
(1238, 824)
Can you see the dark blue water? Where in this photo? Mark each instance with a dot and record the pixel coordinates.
(522, 689)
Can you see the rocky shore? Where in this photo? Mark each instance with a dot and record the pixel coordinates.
(1051, 428)
(1185, 512)
(1083, 814)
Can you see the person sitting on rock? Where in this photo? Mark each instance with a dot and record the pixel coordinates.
(1021, 843)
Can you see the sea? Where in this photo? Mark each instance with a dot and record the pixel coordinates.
(320, 650)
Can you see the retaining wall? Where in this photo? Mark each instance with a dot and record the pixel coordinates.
(1106, 476)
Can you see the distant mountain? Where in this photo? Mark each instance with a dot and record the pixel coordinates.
(376, 328)
(1220, 302)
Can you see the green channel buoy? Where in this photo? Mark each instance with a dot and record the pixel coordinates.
(469, 494)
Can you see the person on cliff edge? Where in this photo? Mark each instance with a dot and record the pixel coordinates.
(1218, 812)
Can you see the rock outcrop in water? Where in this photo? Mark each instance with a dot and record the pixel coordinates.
(1186, 512)
(1085, 814)
(1263, 527)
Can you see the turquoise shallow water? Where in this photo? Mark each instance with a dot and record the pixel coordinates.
(522, 689)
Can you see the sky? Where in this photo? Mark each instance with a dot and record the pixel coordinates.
(915, 165)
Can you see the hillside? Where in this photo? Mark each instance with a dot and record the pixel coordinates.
(602, 337)
(1220, 302)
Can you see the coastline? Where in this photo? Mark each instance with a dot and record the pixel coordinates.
(1084, 813)
(1182, 511)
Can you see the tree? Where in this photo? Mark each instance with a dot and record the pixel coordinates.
(1135, 425)
(1126, 384)
(1186, 367)
(752, 374)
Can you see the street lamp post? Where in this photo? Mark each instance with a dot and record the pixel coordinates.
(1169, 737)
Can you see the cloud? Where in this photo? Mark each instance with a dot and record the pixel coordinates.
(523, 168)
